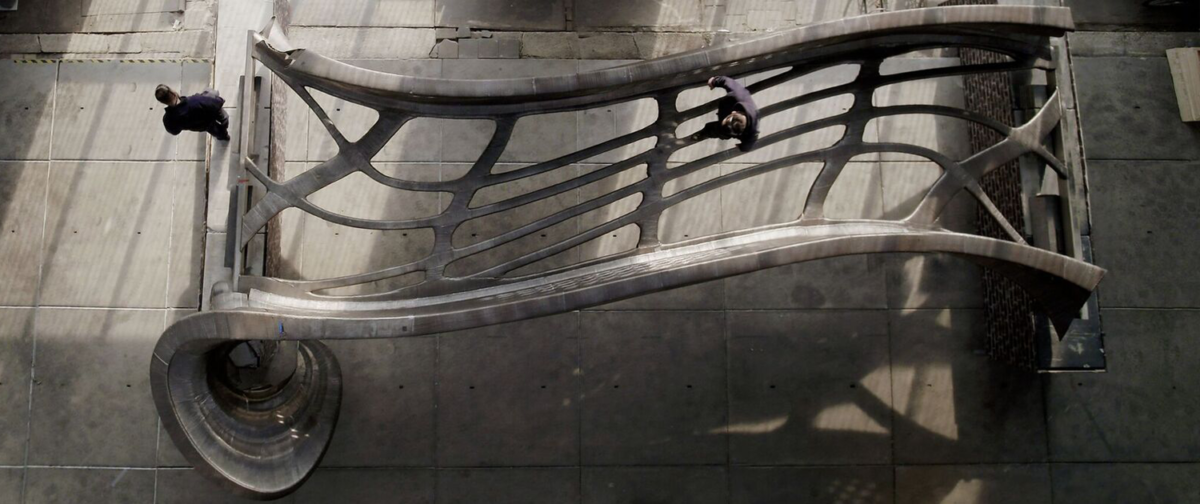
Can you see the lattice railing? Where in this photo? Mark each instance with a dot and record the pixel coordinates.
(226, 430)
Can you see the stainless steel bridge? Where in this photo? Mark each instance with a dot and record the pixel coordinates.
(262, 429)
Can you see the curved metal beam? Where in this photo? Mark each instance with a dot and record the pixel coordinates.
(262, 436)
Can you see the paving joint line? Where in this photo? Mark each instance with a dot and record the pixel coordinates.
(38, 291)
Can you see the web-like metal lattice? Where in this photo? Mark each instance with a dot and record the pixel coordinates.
(959, 175)
(264, 442)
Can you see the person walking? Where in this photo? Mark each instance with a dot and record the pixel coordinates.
(199, 112)
(737, 115)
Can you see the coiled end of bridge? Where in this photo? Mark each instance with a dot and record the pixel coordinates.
(258, 423)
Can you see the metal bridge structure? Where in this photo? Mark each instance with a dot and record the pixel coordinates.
(250, 395)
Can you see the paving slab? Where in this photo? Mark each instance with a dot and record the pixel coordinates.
(418, 140)
(91, 393)
(809, 387)
(608, 45)
(195, 17)
(99, 7)
(1117, 14)
(11, 481)
(761, 15)
(932, 281)
(108, 226)
(298, 117)
(48, 16)
(953, 404)
(1120, 43)
(16, 362)
(98, 486)
(535, 138)
(1089, 483)
(856, 193)
(463, 140)
(185, 486)
(86, 43)
(517, 15)
(815, 485)
(816, 11)
(22, 217)
(365, 43)
(387, 413)
(1143, 408)
(770, 198)
(598, 125)
(945, 135)
(1156, 44)
(168, 455)
(654, 388)
(518, 248)
(843, 282)
(107, 111)
(26, 109)
(236, 19)
(508, 486)
(1142, 232)
(448, 49)
(362, 13)
(351, 119)
(291, 243)
(480, 48)
(333, 250)
(692, 218)
(928, 280)
(1122, 95)
(663, 485)
(182, 43)
(1097, 44)
(21, 43)
(632, 13)
(550, 45)
(492, 409)
(186, 268)
(656, 45)
(368, 486)
(621, 239)
(905, 184)
(992, 484)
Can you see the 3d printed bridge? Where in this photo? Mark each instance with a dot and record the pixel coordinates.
(262, 431)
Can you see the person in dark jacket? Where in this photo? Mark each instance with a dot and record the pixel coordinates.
(199, 112)
(737, 115)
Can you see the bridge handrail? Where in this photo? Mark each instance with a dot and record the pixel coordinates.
(265, 440)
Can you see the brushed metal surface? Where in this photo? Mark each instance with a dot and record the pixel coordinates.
(263, 443)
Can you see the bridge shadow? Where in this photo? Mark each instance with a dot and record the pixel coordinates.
(871, 395)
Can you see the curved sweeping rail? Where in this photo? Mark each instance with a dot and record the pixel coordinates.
(263, 440)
